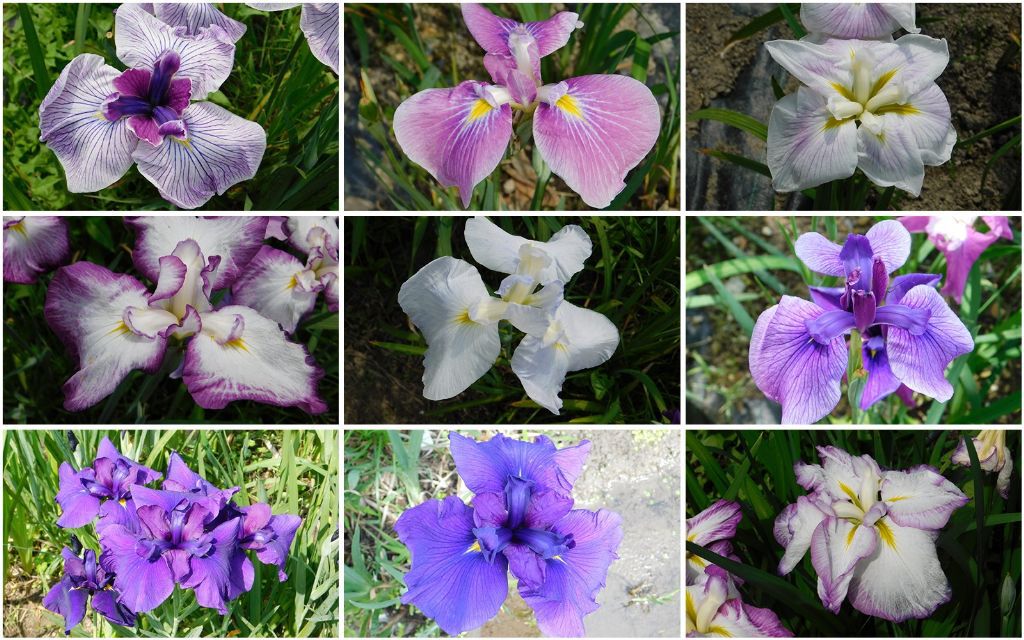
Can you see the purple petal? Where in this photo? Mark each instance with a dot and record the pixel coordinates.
(890, 241)
(78, 506)
(546, 508)
(196, 16)
(224, 572)
(84, 306)
(553, 34)
(220, 150)
(717, 522)
(168, 500)
(486, 466)
(499, 65)
(862, 21)
(134, 83)
(920, 360)
(94, 152)
(902, 284)
(144, 582)
(820, 255)
(65, 600)
(827, 298)
(272, 284)
(489, 510)
(573, 579)
(276, 551)
(106, 602)
(490, 31)
(261, 365)
(32, 246)
(521, 87)
(113, 512)
(526, 565)
(146, 128)
(456, 134)
(592, 130)
(141, 39)
(881, 382)
(144, 475)
(309, 233)
(320, 24)
(999, 226)
(450, 580)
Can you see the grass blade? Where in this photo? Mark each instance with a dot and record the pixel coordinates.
(733, 119)
(35, 52)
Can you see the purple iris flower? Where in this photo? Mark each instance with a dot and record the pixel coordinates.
(798, 352)
(103, 489)
(84, 577)
(33, 245)
(521, 520)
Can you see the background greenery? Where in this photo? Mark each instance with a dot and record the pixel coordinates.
(36, 363)
(738, 267)
(396, 50)
(632, 277)
(275, 82)
(294, 472)
(980, 548)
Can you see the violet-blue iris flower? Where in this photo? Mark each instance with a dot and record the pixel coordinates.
(521, 520)
(100, 121)
(798, 352)
(319, 22)
(84, 577)
(101, 490)
(33, 245)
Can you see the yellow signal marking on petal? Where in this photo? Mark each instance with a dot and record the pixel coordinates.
(121, 502)
(292, 283)
(898, 109)
(99, 115)
(569, 105)
(19, 227)
(463, 317)
(896, 498)
(237, 343)
(691, 610)
(475, 547)
(121, 329)
(722, 631)
(832, 123)
(886, 534)
(480, 109)
(849, 536)
(843, 91)
(848, 491)
(185, 143)
(882, 81)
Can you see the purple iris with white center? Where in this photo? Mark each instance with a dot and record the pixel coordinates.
(84, 577)
(153, 101)
(909, 335)
(522, 519)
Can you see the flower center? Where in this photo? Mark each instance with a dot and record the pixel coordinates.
(866, 99)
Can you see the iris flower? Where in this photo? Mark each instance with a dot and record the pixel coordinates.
(858, 20)
(711, 528)
(100, 121)
(871, 534)
(591, 129)
(522, 519)
(713, 612)
(862, 104)
(319, 22)
(449, 304)
(955, 236)
(993, 456)
(32, 246)
(84, 577)
(798, 352)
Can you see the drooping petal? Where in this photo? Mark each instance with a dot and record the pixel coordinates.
(94, 151)
(275, 551)
(142, 38)
(107, 602)
(498, 250)
(223, 572)
(795, 527)
(450, 580)
(457, 134)
(144, 581)
(273, 285)
(235, 239)
(319, 21)
(819, 254)
(890, 157)
(259, 364)
(438, 299)
(717, 522)
(218, 151)
(890, 241)
(32, 246)
(65, 600)
(592, 130)
(880, 382)
(78, 506)
(196, 16)
(807, 147)
(836, 547)
(920, 360)
(84, 306)
(486, 466)
(902, 579)
(861, 21)
(541, 370)
(959, 262)
(920, 497)
(737, 619)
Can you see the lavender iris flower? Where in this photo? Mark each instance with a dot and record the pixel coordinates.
(798, 353)
(521, 520)
(84, 577)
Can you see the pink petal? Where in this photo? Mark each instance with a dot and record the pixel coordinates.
(32, 246)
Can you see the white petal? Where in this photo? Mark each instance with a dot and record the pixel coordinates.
(272, 284)
(299, 230)
(903, 13)
(926, 116)
(541, 369)
(438, 300)
(920, 497)
(836, 548)
(918, 60)
(800, 527)
(890, 158)
(853, 20)
(498, 250)
(814, 65)
(320, 23)
(804, 148)
(592, 337)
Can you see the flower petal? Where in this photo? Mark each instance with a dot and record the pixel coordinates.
(807, 147)
(741, 620)
(541, 370)
(594, 130)
(224, 572)
(270, 285)
(144, 581)
(260, 364)
(32, 246)
(486, 466)
(78, 506)
(819, 67)
(455, 134)
(836, 547)
(860, 21)
(142, 38)
(902, 284)
(65, 600)
(438, 299)
(880, 382)
(490, 31)
(920, 497)
(284, 527)
(917, 60)
(319, 22)
(717, 522)
(301, 234)
(795, 528)
(553, 34)
(220, 150)
(819, 254)
(107, 602)
(920, 360)
(498, 250)
(960, 260)
(890, 241)
(890, 158)
(94, 151)
(926, 119)
(450, 581)
(196, 16)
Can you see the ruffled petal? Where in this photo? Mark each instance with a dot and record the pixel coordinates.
(78, 506)
(920, 360)
(94, 151)
(794, 529)
(450, 580)
(819, 67)
(807, 147)
(592, 130)
(276, 551)
(258, 364)
(65, 600)
(916, 59)
(144, 475)
(890, 157)
(861, 21)
(165, 501)
(301, 233)
(107, 602)
(224, 572)
(271, 285)
(486, 466)
(836, 547)
(890, 241)
(438, 299)
(456, 134)
(218, 151)
(144, 581)
(32, 246)
(717, 522)
(819, 254)
(920, 497)
(498, 250)
(196, 16)
(319, 22)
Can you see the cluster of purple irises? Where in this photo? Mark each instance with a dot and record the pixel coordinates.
(188, 533)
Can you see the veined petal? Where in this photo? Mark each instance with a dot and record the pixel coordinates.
(78, 506)
(836, 547)
(272, 6)
(861, 21)
(32, 246)
(902, 579)
(553, 34)
(920, 497)
(498, 250)
(926, 117)
(817, 66)
(794, 529)
(269, 285)
(736, 619)
(218, 151)
(902, 284)
(592, 132)
(142, 38)
(84, 306)
(319, 21)
(460, 350)
(224, 572)
(717, 522)
(490, 31)
(486, 466)
(819, 254)
(920, 360)
(917, 60)
(107, 602)
(881, 382)
(890, 158)
(259, 364)
(67, 601)
(890, 241)
(807, 147)
(196, 16)
(450, 580)
(94, 151)
(455, 134)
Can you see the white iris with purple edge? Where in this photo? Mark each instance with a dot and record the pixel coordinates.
(592, 130)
